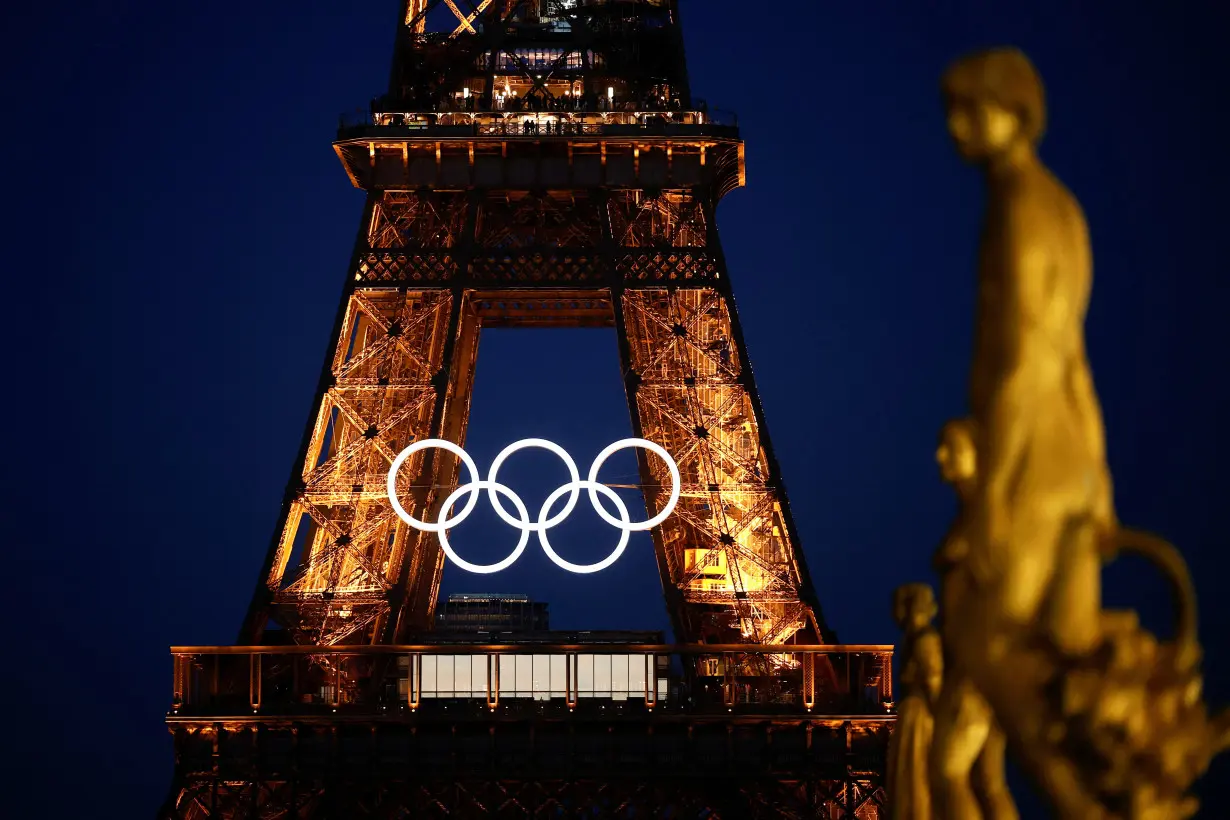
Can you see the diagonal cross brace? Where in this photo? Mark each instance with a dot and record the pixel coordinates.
(467, 21)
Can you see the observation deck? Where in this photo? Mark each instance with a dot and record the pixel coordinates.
(592, 709)
(570, 144)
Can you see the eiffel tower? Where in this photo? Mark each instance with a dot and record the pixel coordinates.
(535, 163)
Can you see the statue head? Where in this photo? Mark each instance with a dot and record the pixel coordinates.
(957, 455)
(914, 606)
(995, 103)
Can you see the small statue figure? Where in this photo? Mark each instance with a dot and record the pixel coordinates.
(921, 673)
(966, 765)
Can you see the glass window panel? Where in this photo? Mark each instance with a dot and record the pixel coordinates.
(478, 675)
(461, 675)
(525, 676)
(508, 675)
(559, 675)
(664, 688)
(585, 675)
(636, 673)
(619, 673)
(542, 677)
(602, 676)
(431, 675)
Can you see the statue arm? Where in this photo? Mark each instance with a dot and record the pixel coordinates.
(1005, 438)
(929, 655)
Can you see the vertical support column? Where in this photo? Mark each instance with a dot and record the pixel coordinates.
(258, 757)
(414, 681)
(574, 662)
(215, 768)
(651, 680)
(568, 684)
(182, 671)
(488, 99)
(809, 680)
(493, 680)
(886, 677)
(336, 699)
(254, 681)
(728, 685)
(293, 786)
(572, 686)
(851, 782)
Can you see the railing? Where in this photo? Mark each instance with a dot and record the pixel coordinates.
(535, 123)
(475, 680)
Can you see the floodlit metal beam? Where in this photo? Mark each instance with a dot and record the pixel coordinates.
(469, 20)
(465, 21)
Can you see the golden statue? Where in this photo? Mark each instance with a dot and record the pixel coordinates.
(1106, 720)
(922, 667)
(966, 763)
(1042, 503)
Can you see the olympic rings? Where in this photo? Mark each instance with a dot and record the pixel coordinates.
(545, 521)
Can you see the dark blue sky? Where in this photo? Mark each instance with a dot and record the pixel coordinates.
(180, 231)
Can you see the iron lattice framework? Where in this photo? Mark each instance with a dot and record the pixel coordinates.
(539, 163)
(534, 163)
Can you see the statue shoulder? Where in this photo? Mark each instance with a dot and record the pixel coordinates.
(1039, 211)
(928, 647)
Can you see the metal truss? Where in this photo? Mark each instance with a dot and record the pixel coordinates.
(853, 799)
(525, 219)
(342, 550)
(346, 569)
(527, 767)
(402, 218)
(727, 545)
(541, 238)
(661, 219)
(342, 555)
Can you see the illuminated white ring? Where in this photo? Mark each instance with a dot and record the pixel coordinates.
(493, 487)
(574, 487)
(676, 483)
(474, 492)
(624, 529)
(473, 489)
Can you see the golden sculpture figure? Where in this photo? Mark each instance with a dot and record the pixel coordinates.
(922, 667)
(966, 763)
(1104, 718)
(1043, 498)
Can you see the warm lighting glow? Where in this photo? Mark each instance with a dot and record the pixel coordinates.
(610, 92)
(522, 520)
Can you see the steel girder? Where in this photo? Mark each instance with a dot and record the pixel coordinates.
(433, 268)
(738, 770)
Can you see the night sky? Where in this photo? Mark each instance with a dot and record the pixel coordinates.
(180, 230)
